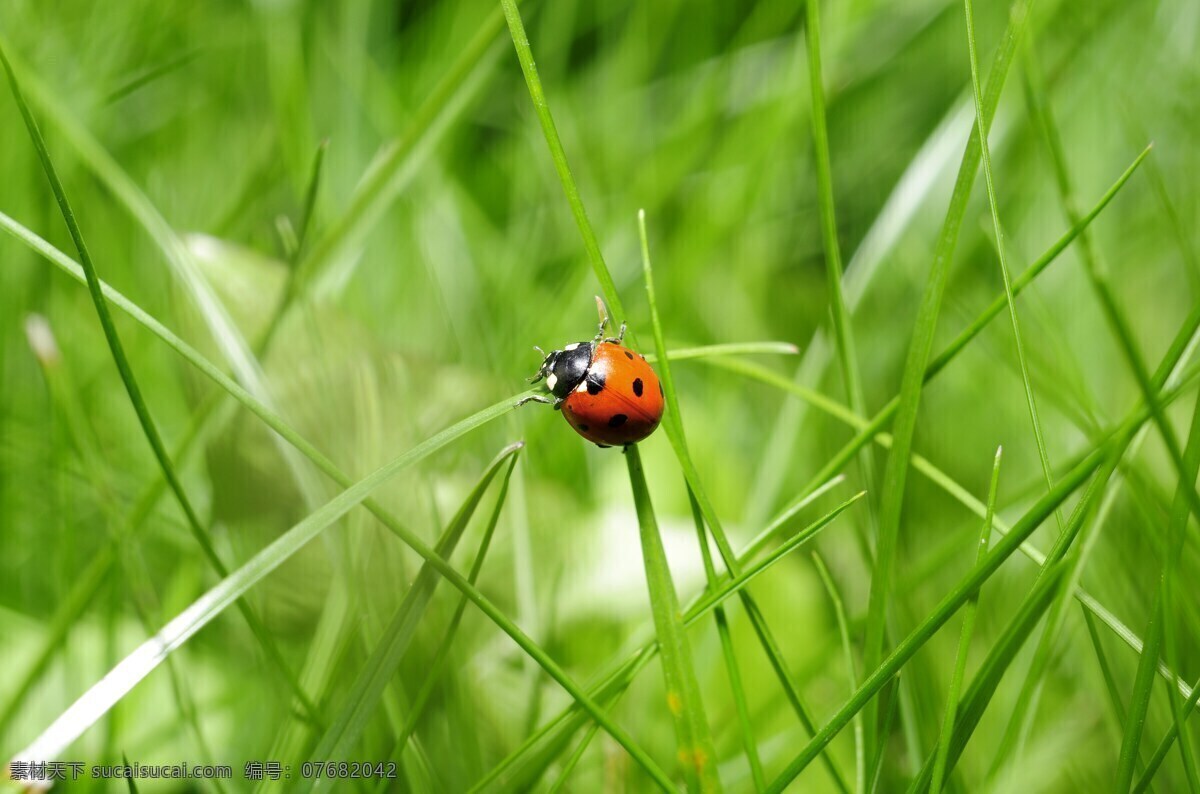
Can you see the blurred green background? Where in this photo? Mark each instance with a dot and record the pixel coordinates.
(441, 249)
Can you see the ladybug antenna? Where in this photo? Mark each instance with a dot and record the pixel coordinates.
(541, 373)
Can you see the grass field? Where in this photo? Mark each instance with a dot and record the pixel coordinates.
(264, 496)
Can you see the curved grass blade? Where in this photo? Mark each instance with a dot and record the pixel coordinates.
(673, 424)
(730, 349)
(612, 685)
(1164, 746)
(365, 695)
(1002, 256)
(520, 40)
(839, 612)
(696, 753)
(964, 641)
(272, 419)
(334, 254)
(1139, 699)
(134, 392)
(955, 490)
(94, 703)
(843, 334)
(732, 669)
(443, 650)
(945, 609)
(1108, 452)
(920, 346)
(990, 672)
(1030, 689)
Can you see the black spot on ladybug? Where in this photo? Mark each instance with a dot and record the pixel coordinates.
(617, 420)
(583, 428)
(637, 386)
(595, 383)
(629, 355)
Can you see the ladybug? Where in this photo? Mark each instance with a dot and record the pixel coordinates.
(607, 392)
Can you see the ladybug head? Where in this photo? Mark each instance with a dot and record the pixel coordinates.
(565, 369)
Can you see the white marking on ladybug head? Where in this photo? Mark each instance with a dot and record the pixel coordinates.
(571, 346)
(551, 381)
(582, 385)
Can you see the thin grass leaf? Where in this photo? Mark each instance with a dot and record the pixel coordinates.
(87, 585)
(364, 697)
(945, 609)
(330, 261)
(992, 670)
(728, 653)
(436, 664)
(730, 349)
(696, 753)
(1164, 746)
(673, 424)
(573, 760)
(1139, 699)
(839, 612)
(533, 82)
(1002, 256)
(964, 497)
(964, 641)
(612, 685)
(1030, 688)
(920, 346)
(968, 334)
(134, 392)
(842, 331)
(94, 703)
(134, 579)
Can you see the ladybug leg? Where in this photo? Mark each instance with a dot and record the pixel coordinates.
(619, 337)
(534, 398)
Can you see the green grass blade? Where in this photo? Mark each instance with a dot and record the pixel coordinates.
(541, 107)
(945, 609)
(839, 612)
(964, 642)
(673, 425)
(730, 349)
(998, 229)
(1164, 746)
(395, 164)
(443, 650)
(920, 345)
(365, 695)
(696, 753)
(729, 655)
(573, 760)
(1139, 699)
(960, 494)
(1030, 689)
(94, 703)
(842, 332)
(1000, 657)
(134, 392)
(612, 685)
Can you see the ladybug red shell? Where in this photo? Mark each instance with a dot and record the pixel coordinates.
(607, 392)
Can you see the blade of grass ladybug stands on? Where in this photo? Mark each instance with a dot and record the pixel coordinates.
(675, 433)
(559, 729)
